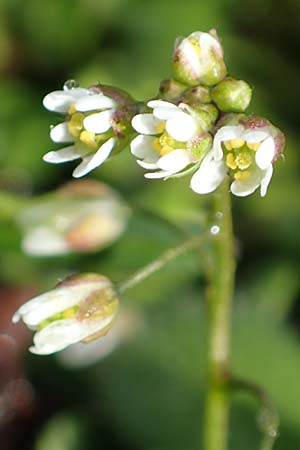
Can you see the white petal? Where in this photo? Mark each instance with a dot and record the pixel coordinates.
(161, 104)
(94, 101)
(247, 187)
(60, 133)
(266, 180)
(209, 176)
(60, 101)
(191, 57)
(225, 133)
(63, 155)
(91, 162)
(146, 165)
(253, 136)
(99, 122)
(45, 305)
(142, 147)
(145, 123)
(265, 153)
(182, 127)
(56, 336)
(157, 175)
(62, 333)
(43, 241)
(174, 161)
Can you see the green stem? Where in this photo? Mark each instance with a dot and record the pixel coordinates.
(219, 296)
(160, 262)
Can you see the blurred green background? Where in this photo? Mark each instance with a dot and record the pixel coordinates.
(148, 394)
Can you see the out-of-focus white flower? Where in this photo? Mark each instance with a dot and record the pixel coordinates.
(246, 150)
(92, 127)
(198, 59)
(81, 308)
(171, 138)
(82, 216)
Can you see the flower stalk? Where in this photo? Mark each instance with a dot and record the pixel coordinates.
(219, 298)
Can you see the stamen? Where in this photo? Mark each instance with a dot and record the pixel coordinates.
(237, 143)
(243, 160)
(253, 147)
(227, 145)
(89, 139)
(230, 161)
(75, 124)
(160, 127)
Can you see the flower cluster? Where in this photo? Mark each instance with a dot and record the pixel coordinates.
(196, 124)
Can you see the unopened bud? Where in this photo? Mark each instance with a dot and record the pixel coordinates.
(197, 94)
(171, 89)
(82, 216)
(200, 145)
(232, 95)
(198, 59)
(81, 308)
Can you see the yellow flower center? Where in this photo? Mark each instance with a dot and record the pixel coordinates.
(165, 144)
(239, 157)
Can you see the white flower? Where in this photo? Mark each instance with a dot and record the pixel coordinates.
(87, 127)
(82, 216)
(246, 151)
(167, 136)
(81, 308)
(198, 59)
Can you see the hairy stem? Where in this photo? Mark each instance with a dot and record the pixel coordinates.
(160, 262)
(219, 297)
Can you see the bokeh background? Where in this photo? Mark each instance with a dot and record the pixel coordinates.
(148, 394)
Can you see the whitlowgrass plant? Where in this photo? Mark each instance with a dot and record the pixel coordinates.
(197, 126)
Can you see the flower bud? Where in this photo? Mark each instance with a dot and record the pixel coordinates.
(198, 59)
(232, 95)
(82, 216)
(81, 308)
(197, 95)
(200, 145)
(171, 89)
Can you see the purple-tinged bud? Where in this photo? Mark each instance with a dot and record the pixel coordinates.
(197, 95)
(171, 90)
(200, 145)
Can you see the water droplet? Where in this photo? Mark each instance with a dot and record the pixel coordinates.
(71, 84)
(214, 230)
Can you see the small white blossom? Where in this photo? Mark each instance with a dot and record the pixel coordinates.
(87, 127)
(171, 138)
(246, 151)
(81, 308)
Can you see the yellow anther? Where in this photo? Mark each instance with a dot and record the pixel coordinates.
(75, 124)
(72, 109)
(89, 139)
(253, 147)
(160, 127)
(242, 176)
(243, 160)
(230, 161)
(237, 143)
(228, 145)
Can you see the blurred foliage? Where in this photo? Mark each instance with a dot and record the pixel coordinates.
(149, 394)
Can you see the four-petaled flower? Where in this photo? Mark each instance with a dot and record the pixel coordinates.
(87, 127)
(171, 138)
(81, 308)
(246, 151)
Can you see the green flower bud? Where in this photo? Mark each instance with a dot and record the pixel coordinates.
(171, 89)
(198, 59)
(232, 95)
(197, 94)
